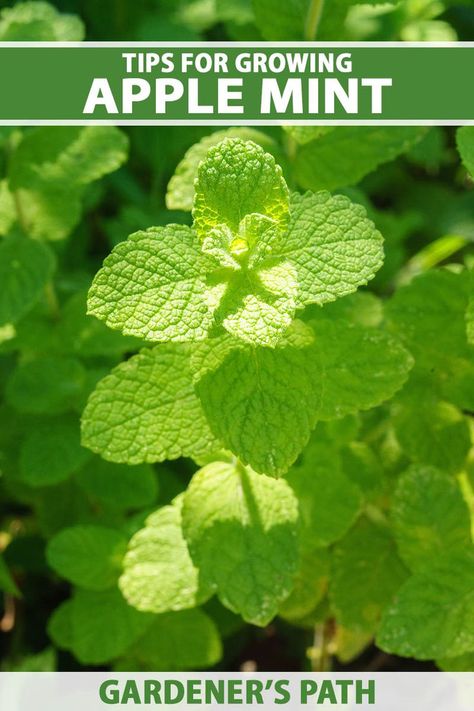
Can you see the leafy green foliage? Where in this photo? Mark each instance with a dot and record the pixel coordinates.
(39, 22)
(366, 575)
(430, 517)
(345, 155)
(181, 190)
(88, 556)
(332, 244)
(432, 614)
(146, 410)
(178, 640)
(159, 575)
(51, 168)
(51, 452)
(241, 529)
(25, 269)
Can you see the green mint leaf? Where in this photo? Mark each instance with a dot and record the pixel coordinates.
(258, 306)
(429, 316)
(430, 517)
(100, 626)
(153, 286)
(48, 385)
(39, 22)
(465, 144)
(51, 452)
(159, 575)
(366, 573)
(310, 582)
(146, 410)
(332, 244)
(360, 367)
(433, 613)
(118, 486)
(60, 625)
(328, 503)
(238, 178)
(177, 640)
(342, 157)
(51, 168)
(180, 191)
(431, 431)
(88, 556)
(26, 267)
(241, 529)
(247, 400)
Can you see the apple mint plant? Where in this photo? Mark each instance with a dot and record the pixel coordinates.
(276, 404)
(240, 375)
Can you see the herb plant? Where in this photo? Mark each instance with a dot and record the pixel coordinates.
(256, 413)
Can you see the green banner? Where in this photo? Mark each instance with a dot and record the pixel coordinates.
(236, 83)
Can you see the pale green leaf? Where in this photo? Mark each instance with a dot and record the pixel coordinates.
(39, 22)
(259, 305)
(238, 178)
(50, 169)
(158, 574)
(430, 517)
(262, 404)
(153, 285)
(433, 613)
(241, 529)
(146, 410)
(180, 191)
(345, 155)
(366, 573)
(26, 267)
(88, 556)
(332, 244)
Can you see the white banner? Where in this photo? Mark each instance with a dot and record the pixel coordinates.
(84, 691)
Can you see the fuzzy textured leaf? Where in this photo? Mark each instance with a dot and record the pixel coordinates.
(146, 410)
(433, 613)
(247, 400)
(238, 178)
(332, 244)
(241, 529)
(159, 575)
